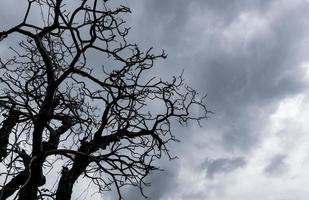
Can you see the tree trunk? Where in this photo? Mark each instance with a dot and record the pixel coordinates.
(29, 192)
(69, 177)
(37, 179)
(11, 187)
(6, 129)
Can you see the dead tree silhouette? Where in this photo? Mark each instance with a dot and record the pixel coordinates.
(64, 113)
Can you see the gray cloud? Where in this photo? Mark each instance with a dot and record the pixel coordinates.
(161, 184)
(223, 166)
(244, 54)
(276, 166)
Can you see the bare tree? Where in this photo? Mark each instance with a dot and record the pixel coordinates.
(63, 113)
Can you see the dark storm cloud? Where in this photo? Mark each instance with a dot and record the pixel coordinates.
(244, 78)
(222, 166)
(257, 76)
(255, 73)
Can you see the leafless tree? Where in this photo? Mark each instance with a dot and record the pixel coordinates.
(63, 113)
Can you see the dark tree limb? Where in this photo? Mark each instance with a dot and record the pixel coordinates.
(14, 185)
(6, 129)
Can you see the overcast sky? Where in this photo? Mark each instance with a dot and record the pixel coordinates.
(252, 59)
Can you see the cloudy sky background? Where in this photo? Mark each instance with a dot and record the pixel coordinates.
(252, 59)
